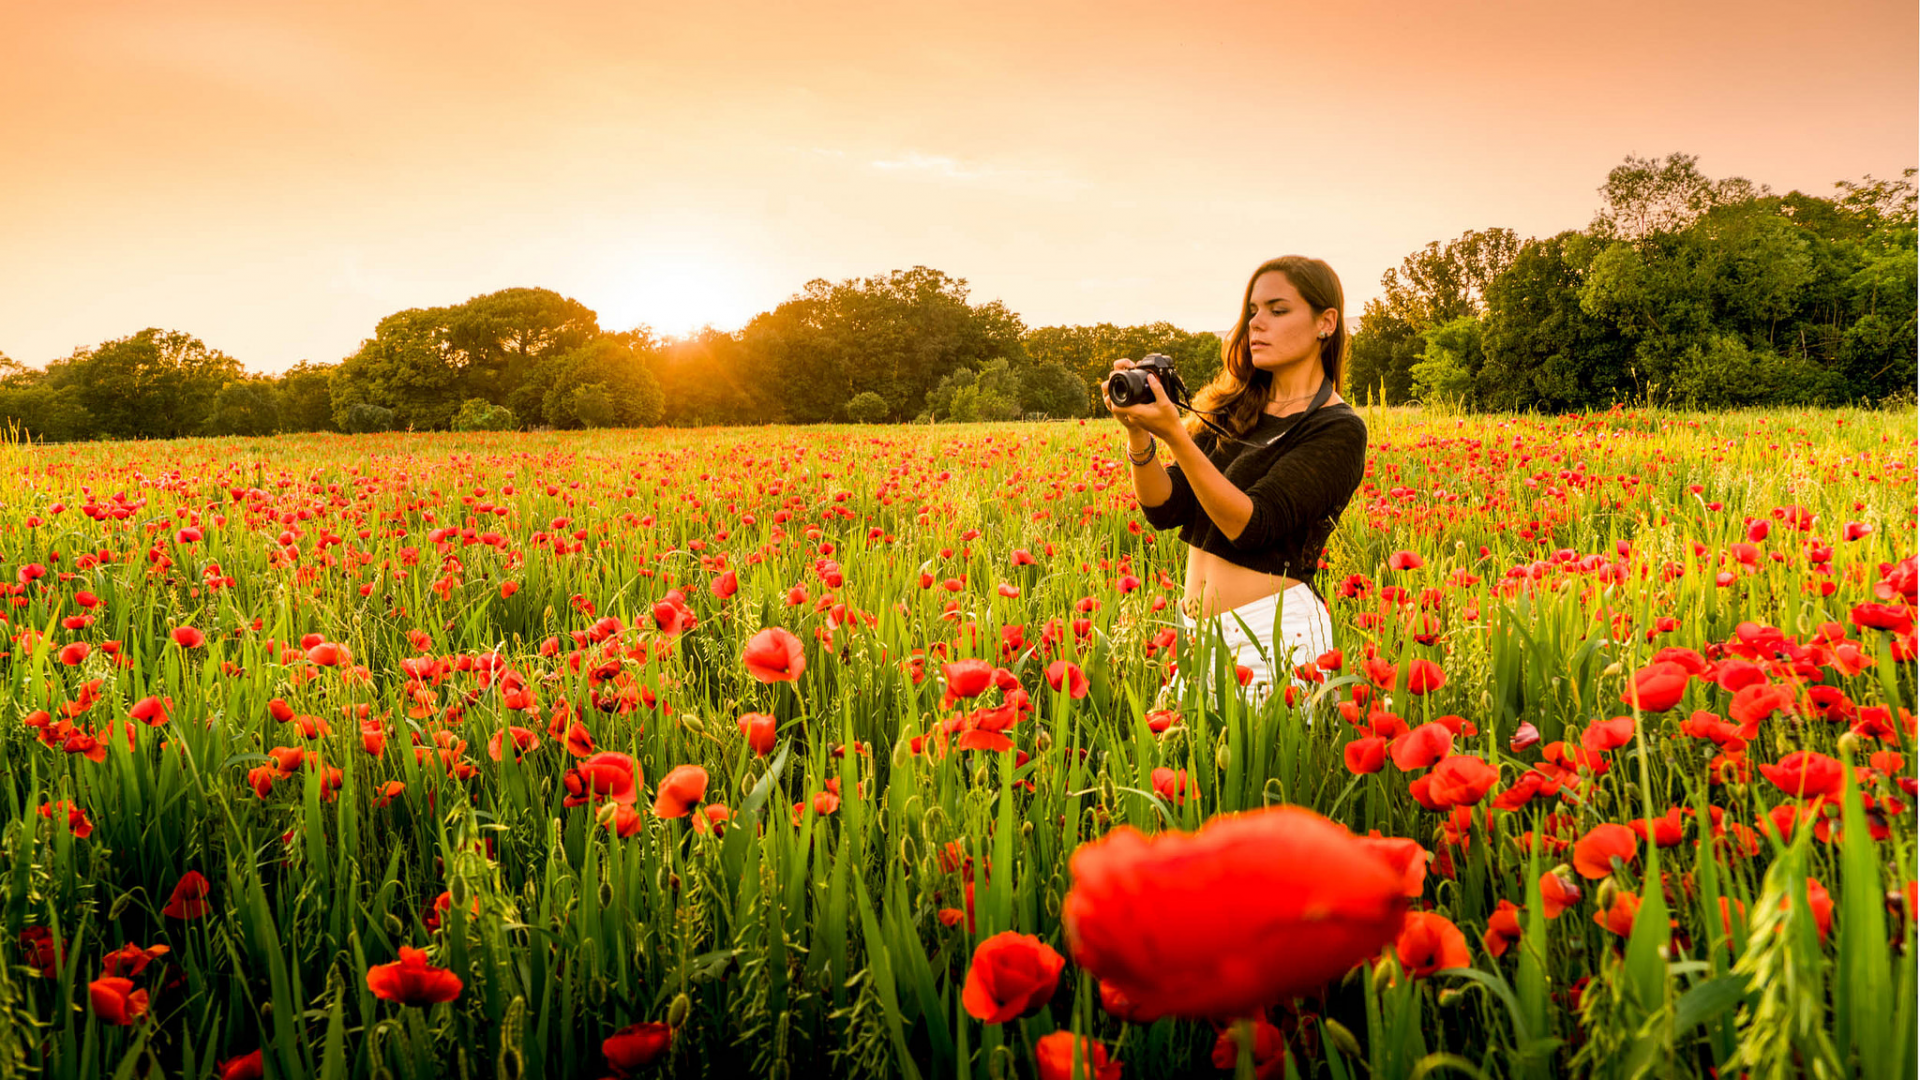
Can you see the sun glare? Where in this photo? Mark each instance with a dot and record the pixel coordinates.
(676, 295)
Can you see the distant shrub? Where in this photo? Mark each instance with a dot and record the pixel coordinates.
(867, 408)
(365, 418)
(592, 405)
(478, 414)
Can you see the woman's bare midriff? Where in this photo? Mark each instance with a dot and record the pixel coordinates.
(1215, 585)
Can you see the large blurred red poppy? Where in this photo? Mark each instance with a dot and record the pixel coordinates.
(636, 1046)
(1273, 903)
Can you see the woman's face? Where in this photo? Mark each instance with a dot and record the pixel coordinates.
(1282, 330)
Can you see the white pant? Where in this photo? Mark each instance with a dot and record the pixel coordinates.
(1295, 617)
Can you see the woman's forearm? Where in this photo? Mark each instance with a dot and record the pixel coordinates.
(1151, 484)
(1228, 506)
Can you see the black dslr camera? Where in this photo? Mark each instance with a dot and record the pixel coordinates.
(1130, 387)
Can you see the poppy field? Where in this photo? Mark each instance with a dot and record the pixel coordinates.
(856, 751)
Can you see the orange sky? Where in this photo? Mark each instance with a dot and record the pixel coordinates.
(275, 178)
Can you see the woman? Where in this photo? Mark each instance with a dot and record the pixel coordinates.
(1256, 511)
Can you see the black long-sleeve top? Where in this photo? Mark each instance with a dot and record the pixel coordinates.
(1298, 487)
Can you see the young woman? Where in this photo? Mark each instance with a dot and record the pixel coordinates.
(1256, 510)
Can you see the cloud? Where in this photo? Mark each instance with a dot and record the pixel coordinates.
(941, 168)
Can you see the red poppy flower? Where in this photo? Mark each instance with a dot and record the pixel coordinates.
(680, 789)
(774, 655)
(1055, 1053)
(189, 897)
(1593, 854)
(1503, 929)
(1274, 903)
(1461, 780)
(1807, 774)
(1657, 687)
(760, 733)
(188, 637)
(77, 821)
(1429, 942)
(1557, 894)
(1269, 1051)
(244, 1067)
(1406, 855)
(1405, 560)
(1618, 917)
(967, 678)
(1062, 672)
(115, 1001)
(75, 653)
(130, 960)
(523, 741)
(1012, 975)
(636, 1046)
(1421, 747)
(1424, 677)
(411, 980)
(1366, 755)
(725, 585)
(151, 710)
(606, 775)
(1604, 735)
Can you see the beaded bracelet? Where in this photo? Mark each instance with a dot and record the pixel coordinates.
(1151, 447)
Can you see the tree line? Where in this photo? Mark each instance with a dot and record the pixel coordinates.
(1682, 291)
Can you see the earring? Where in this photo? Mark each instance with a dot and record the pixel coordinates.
(1324, 335)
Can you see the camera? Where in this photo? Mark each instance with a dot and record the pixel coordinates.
(1130, 387)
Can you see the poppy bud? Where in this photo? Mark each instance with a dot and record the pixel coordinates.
(395, 927)
(1451, 995)
(678, 1011)
(692, 723)
(1044, 742)
(1341, 1038)
(1383, 973)
(1223, 757)
(902, 753)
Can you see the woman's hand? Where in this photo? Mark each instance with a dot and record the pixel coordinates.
(1157, 417)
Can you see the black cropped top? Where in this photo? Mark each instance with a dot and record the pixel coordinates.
(1299, 487)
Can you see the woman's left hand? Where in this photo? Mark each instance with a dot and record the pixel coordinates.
(1158, 417)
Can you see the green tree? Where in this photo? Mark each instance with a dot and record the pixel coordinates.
(1053, 390)
(306, 402)
(156, 384)
(1445, 373)
(1430, 288)
(1089, 352)
(406, 367)
(1540, 349)
(894, 335)
(249, 405)
(633, 395)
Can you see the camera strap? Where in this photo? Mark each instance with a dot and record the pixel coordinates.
(1319, 399)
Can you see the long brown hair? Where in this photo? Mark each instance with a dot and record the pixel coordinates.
(1239, 393)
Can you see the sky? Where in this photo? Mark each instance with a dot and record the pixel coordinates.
(275, 178)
